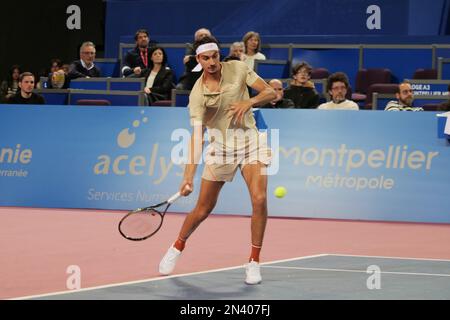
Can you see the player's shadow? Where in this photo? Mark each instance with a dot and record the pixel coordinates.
(230, 288)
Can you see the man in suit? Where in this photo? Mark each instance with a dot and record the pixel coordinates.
(136, 61)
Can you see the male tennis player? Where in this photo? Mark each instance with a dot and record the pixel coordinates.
(220, 102)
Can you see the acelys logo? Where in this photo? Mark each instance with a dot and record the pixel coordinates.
(126, 139)
(133, 161)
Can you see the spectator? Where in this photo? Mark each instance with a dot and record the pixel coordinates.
(252, 42)
(236, 52)
(404, 101)
(301, 90)
(85, 67)
(136, 61)
(25, 95)
(10, 86)
(337, 86)
(279, 102)
(190, 76)
(159, 78)
(57, 78)
(55, 65)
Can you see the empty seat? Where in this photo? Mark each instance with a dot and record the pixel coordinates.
(162, 103)
(425, 74)
(320, 73)
(389, 88)
(432, 107)
(93, 102)
(366, 77)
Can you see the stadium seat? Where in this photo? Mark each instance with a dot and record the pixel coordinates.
(162, 103)
(432, 107)
(365, 78)
(425, 74)
(390, 88)
(93, 102)
(320, 73)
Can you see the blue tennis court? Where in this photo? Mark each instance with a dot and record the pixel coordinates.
(318, 277)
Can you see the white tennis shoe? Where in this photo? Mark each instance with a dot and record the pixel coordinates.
(253, 273)
(169, 261)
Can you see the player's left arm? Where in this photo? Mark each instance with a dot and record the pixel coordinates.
(265, 95)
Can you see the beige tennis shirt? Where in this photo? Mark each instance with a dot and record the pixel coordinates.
(209, 108)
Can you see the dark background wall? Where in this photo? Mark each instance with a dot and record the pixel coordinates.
(34, 32)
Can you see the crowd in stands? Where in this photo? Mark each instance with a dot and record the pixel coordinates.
(149, 61)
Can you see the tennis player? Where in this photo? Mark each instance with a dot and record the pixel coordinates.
(220, 102)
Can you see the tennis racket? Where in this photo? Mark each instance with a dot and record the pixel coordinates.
(142, 223)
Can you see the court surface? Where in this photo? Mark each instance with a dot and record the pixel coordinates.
(324, 276)
(302, 259)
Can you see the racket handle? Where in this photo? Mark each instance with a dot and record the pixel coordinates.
(174, 198)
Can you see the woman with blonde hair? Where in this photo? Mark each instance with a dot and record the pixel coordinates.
(252, 42)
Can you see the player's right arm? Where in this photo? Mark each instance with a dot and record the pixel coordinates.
(195, 154)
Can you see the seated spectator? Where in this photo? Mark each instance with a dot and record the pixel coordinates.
(404, 101)
(55, 65)
(190, 76)
(159, 78)
(10, 86)
(25, 95)
(337, 87)
(57, 78)
(136, 61)
(252, 42)
(279, 102)
(85, 67)
(301, 90)
(236, 52)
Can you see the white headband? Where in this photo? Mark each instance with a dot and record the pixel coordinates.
(203, 48)
(207, 47)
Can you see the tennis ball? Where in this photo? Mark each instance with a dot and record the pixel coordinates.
(280, 192)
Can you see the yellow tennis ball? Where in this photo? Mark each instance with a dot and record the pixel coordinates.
(280, 192)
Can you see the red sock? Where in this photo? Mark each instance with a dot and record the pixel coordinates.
(179, 244)
(254, 256)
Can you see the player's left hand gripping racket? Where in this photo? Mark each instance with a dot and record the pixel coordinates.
(142, 223)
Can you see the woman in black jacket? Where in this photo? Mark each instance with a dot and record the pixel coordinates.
(10, 86)
(159, 78)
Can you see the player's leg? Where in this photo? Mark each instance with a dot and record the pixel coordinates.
(209, 192)
(257, 185)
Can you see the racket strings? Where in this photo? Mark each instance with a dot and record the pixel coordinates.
(141, 224)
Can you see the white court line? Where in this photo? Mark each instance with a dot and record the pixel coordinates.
(361, 271)
(156, 279)
(383, 257)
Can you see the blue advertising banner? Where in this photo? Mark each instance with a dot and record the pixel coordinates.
(430, 89)
(363, 165)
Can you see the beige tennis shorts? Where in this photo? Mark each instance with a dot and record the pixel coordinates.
(222, 162)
